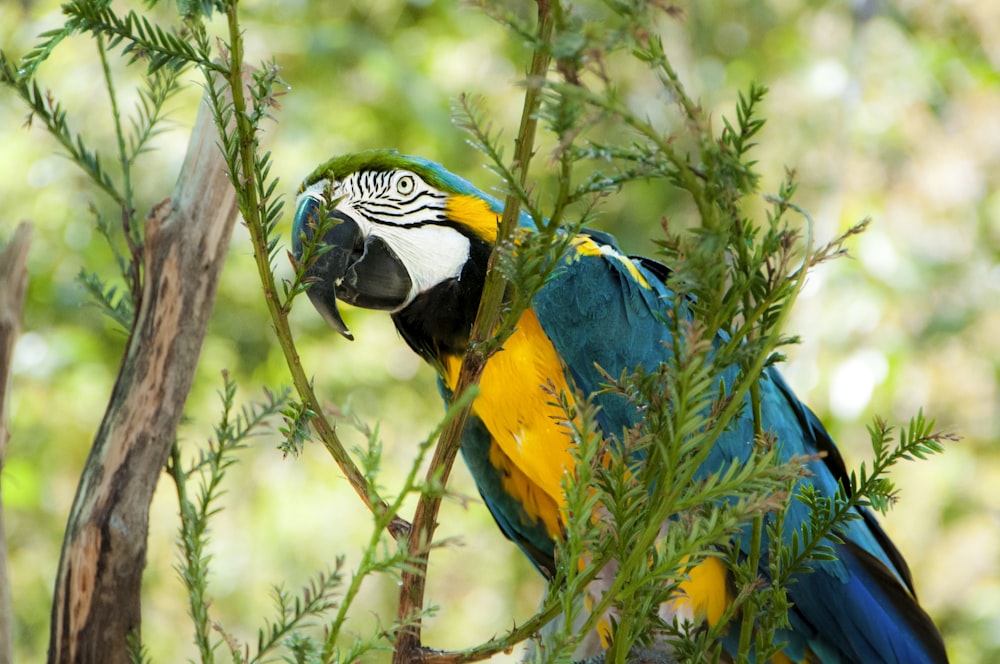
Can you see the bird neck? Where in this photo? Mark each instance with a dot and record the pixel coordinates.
(438, 322)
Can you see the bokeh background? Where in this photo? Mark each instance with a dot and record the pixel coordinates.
(887, 110)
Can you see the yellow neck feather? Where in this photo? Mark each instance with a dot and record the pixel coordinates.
(475, 214)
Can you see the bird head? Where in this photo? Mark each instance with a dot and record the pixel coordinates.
(394, 229)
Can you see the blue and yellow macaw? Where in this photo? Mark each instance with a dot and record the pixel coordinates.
(408, 237)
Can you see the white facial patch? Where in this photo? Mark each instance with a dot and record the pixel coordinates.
(404, 211)
(431, 254)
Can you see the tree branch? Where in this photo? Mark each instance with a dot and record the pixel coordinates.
(13, 284)
(96, 600)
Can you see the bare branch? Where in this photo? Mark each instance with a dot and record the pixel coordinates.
(96, 599)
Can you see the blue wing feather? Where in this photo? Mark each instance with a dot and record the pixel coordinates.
(600, 311)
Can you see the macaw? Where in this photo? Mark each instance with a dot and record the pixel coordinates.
(408, 237)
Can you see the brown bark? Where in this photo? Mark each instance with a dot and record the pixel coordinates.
(96, 601)
(13, 284)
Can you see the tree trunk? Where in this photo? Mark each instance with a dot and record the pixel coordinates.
(96, 606)
(13, 283)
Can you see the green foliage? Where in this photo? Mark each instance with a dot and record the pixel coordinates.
(296, 427)
(45, 108)
(210, 466)
(328, 596)
(742, 275)
(141, 40)
(117, 306)
(138, 653)
(159, 86)
(167, 54)
(742, 278)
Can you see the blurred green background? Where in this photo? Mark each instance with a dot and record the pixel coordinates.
(888, 111)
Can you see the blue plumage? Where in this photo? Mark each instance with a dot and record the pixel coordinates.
(859, 608)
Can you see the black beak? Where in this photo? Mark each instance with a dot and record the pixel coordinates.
(359, 270)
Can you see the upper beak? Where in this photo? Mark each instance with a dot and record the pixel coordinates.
(363, 271)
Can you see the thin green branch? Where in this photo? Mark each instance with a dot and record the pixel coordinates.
(44, 107)
(143, 39)
(239, 147)
(317, 599)
(865, 489)
(484, 327)
(230, 435)
(31, 60)
(405, 557)
(132, 235)
(116, 117)
(116, 304)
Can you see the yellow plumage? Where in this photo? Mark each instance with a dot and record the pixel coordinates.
(474, 214)
(532, 450)
(527, 426)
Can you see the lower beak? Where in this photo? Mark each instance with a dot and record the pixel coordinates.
(358, 270)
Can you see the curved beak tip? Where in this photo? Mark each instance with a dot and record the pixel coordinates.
(337, 323)
(326, 305)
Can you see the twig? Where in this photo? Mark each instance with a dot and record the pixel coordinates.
(251, 209)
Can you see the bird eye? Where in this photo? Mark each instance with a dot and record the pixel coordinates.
(405, 185)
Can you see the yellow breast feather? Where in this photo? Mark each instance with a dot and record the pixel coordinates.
(532, 446)
(515, 404)
(706, 591)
